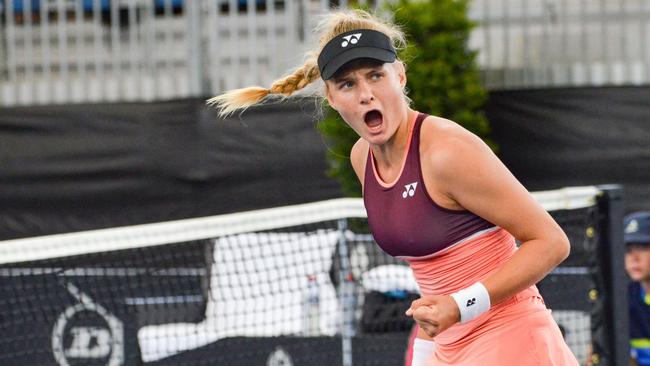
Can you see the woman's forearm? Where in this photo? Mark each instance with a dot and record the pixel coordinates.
(534, 260)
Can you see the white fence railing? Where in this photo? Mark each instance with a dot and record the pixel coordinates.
(73, 51)
(90, 50)
(556, 43)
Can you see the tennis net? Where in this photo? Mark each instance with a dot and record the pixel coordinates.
(295, 285)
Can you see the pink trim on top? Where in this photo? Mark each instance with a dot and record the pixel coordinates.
(450, 247)
(406, 153)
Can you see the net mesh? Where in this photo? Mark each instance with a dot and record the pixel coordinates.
(568, 288)
(300, 285)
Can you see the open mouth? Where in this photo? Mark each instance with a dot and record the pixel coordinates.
(373, 118)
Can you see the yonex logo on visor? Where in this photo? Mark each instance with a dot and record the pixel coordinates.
(352, 38)
(352, 45)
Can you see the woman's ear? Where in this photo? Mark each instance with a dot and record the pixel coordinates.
(401, 72)
(330, 100)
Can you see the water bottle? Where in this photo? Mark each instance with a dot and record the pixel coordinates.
(311, 308)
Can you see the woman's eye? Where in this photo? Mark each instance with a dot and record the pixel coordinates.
(346, 84)
(376, 75)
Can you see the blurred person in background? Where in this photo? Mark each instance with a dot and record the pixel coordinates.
(637, 264)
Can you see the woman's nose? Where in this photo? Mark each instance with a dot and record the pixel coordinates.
(365, 93)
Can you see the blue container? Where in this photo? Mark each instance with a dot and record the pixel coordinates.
(160, 4)
(105, 5)
(19, 5)
(88, 5)
(176, 4)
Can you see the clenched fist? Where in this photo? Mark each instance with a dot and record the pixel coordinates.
(434, 313)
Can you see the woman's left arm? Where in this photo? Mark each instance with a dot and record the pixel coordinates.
(477, 180)
(468, 173)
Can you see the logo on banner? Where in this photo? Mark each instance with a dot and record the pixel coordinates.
(87, 333)
(279, 357)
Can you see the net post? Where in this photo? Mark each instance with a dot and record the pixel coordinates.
(346, 295)
(611, 342)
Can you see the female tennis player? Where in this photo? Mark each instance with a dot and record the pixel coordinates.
(439, 198)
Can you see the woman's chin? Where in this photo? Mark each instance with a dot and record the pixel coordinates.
(376, 139)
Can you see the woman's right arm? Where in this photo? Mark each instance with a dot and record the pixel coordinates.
(358, 155)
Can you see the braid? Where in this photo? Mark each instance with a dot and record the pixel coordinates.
(299, 79)
(231, 101)
(234, 100)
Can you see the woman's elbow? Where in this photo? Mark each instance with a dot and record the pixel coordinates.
(562, 246)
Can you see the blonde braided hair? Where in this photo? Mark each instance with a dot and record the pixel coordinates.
(332, 25)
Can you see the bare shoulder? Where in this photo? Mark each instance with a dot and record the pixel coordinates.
(358, 155)
(447, 146)
(466, 173)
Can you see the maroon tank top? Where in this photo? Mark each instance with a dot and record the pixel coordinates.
(403, 218)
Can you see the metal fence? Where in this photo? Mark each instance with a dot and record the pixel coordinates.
(75, 51)
(558, 43)
(66, 51)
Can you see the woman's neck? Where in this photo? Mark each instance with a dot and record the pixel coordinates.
(390, 155)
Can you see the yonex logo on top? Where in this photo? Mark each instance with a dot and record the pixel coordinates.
(409, 190)
(470, 302)
(351, 39)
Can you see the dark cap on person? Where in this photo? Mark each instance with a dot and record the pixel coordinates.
(636, 228)
(352, 45)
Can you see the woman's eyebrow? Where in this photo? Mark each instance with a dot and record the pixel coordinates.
(374, 69)
(342, 78)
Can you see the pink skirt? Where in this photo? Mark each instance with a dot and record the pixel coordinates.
(522, 333)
